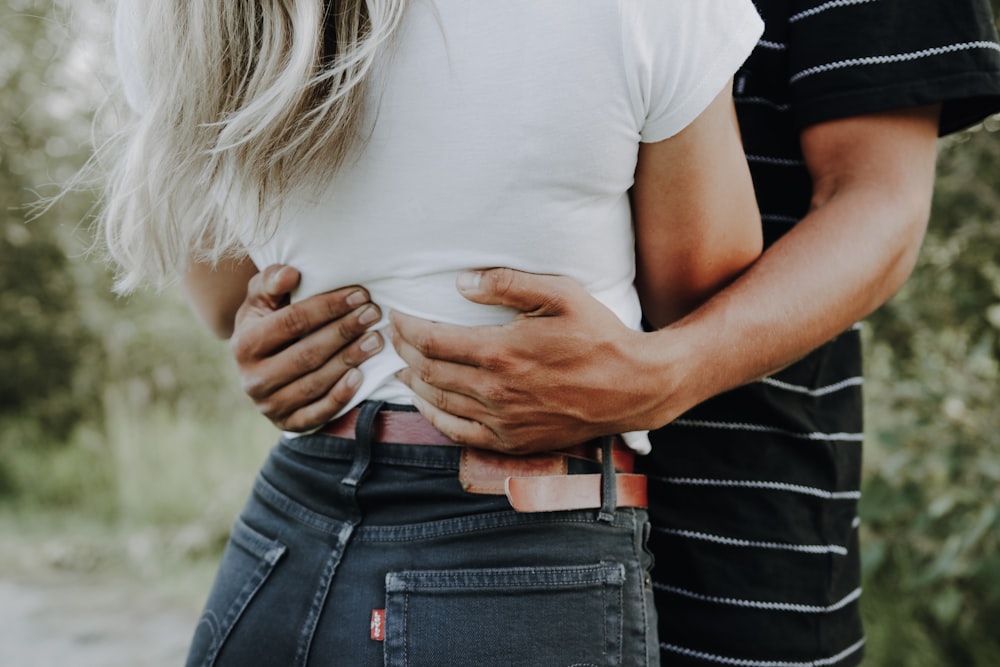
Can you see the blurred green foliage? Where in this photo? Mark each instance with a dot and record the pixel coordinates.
(127, 410)
(75, 358)
(931, 507)
(931, 504)
(47, 369)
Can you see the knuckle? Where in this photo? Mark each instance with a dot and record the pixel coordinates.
(501, 281)
(334, 306)
(350, 358)
(441, 400)
(495, 394)
(308, 358)
(348, 328)
(293, 321)
(493, 361)
(425, 372)
(310, 388)
(424, 342)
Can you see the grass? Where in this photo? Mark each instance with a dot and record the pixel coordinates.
(150, 499)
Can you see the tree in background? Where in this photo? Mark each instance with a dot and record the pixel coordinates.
(931, 507)
(71, 353)
(47, 364)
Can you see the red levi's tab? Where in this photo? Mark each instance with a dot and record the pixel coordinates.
(378, 625)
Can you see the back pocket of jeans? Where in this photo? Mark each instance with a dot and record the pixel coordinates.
(247, 562)
(537, 616)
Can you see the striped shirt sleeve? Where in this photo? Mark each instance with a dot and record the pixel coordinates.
(851, 57)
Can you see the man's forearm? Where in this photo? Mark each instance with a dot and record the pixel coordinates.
(569, 371)
(764, 321)
(565, 369)
(848, 256)
(215, 293)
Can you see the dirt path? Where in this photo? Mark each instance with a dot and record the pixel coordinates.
(89, 624)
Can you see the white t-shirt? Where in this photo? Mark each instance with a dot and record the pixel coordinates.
(505, 134)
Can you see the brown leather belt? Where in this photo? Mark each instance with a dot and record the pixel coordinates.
(397, 426)
(532, 483)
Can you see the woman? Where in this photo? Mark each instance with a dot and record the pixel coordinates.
(396, 146)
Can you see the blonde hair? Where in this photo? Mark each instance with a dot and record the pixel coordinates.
(245, 102)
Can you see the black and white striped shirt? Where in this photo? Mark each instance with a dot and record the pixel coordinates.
(755, 492)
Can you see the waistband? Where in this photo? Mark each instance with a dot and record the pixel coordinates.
(538, 482)
(404, 425)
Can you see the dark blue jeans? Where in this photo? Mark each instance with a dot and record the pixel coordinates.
(340, 536)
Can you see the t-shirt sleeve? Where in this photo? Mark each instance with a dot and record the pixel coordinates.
(867, 56)
(126, 44)
(679, 54)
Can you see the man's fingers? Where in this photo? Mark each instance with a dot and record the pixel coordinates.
(332, 349)
(271, 287)
(452, 400)
(530, 293)
(298, 362)
(348, 310)
(304, 400)
(475, 379)
(302, 317)
(322, 410)
(460, 430)
(435, 340)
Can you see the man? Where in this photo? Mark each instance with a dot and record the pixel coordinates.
(754, 492)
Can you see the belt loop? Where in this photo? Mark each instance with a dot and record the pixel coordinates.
(609, 485)
(363, 433)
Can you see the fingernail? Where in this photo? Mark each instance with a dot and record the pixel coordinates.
(371, 343)
(353, 378)
(368, 316)
(469, 280)
(357, 298)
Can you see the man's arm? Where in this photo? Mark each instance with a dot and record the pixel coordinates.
(216, 292)
(567, 370)
(494, 386)
(694, 212)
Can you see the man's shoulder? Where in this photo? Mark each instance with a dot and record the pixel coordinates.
(846, 59)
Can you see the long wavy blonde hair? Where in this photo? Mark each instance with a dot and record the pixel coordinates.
(244, 102)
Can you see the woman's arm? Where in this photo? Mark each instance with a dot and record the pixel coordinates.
(697, 224)
(215, 293)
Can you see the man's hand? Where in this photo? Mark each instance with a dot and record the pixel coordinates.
(565, 370)
(298, 362)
